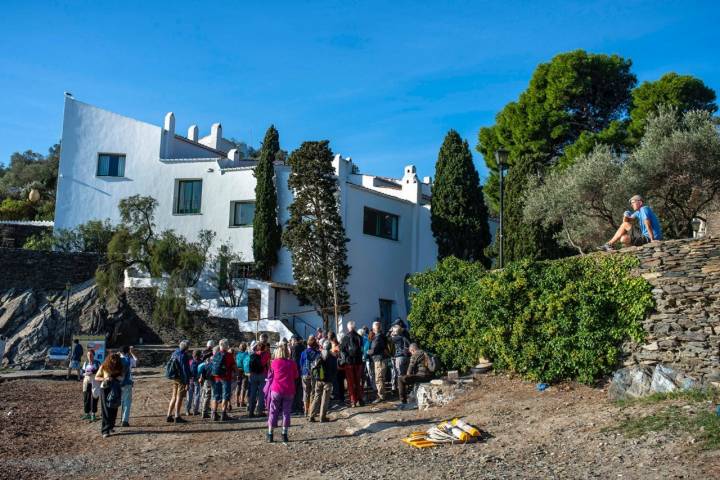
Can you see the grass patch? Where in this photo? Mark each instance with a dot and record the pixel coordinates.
(704, 425)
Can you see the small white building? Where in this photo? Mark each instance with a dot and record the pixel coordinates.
(202, 183)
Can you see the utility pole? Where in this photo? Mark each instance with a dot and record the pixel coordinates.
(501, 157)
(67, 305)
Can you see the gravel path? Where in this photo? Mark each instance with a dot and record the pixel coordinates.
(559, 433)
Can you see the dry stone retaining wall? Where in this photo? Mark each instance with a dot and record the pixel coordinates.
(43, 270)
(684, 330)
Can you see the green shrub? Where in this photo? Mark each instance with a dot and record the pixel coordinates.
(549, 321)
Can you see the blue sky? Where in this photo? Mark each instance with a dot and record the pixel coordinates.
(382, 81)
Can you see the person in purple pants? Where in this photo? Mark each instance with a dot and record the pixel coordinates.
(283, 373)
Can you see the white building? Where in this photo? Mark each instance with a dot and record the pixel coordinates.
(202, 183)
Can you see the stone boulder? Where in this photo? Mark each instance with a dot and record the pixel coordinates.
(639, 381)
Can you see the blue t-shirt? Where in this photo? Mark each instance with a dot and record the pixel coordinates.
(242, 359)
(644, 213)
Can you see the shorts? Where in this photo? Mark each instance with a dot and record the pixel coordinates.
(639, 241)
(74, 364)
(222, 390)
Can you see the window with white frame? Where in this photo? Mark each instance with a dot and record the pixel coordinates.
(110, 165)
(242, 213)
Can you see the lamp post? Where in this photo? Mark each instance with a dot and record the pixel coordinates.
(67, 304)
(696, 224)
(501, 156)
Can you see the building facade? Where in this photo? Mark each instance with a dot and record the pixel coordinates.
(203, 183)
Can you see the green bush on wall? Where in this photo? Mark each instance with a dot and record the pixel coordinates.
(548, 321)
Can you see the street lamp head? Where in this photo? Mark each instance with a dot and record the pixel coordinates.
(696, 224)
(501, 157)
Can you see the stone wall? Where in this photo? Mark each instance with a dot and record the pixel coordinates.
(14, 235)
(42, 270)
(684, 330)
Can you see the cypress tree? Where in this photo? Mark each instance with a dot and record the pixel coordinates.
(459, 216)
(266, 231)
(315, 234)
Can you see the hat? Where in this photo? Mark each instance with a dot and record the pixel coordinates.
(253, 344)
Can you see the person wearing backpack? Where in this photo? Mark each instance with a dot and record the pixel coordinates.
(308, 383)
(192, 403)
(223, 370)
(242, 360)
(324, 372)
(378, 353)
(419, 370)
(258, 365)
(110, 375)
(401, 358)
(91, 387)
(129, 361)
(205, 380)
(351, 353)
(178, 370)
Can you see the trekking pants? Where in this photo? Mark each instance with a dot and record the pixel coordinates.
(353, 375)
(193, 397)
(257, 397)
(380, 377)
(109, 415)
(90, 402)
(280, 404)
(126, 402)
(206, 395)
(321, 399)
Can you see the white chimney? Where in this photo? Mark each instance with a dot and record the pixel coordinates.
(170, 122)
(234, 155)
(193, 133)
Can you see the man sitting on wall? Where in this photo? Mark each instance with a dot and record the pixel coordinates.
(418, 371)
(647, 220)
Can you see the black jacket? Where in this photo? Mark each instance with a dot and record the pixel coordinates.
(378, 347)
(402, 344)
(351, 349)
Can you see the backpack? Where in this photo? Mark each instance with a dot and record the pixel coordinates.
(432, 362)
(317, 368)
(114, 396)
(217, 366)
(255, 363)
(172, 368)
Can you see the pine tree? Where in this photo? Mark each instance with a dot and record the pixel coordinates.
(459, 216)
(315, 234)
(266, 231)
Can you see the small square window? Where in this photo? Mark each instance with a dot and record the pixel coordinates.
(189, 196)
(111, 165)
(242, 214)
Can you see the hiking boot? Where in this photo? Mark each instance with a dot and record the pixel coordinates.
(106, 435)
(124, 424)
(251, 415)
(196, 413)
(269, 437)
(93, 418)
(215, 417)
(205, 415)
(285, 437)
(225, 417)
(312, 419)
(605, 248)
(169, 419)
(180, 420)
(324, 419)
(85, 417)
(378, 400)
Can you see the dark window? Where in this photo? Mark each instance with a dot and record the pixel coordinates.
(380, 224)
(241, 270)
(188, 196)
(243, 213)
(386, 310)
(111, 165)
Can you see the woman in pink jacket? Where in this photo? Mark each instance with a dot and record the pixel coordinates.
(283, 373)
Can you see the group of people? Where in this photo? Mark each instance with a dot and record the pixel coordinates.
(110, 384)
(293, 377)
(297, 377)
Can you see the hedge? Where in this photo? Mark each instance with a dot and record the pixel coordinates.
(547, 321)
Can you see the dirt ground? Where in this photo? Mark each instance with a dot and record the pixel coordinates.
(563, 432)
